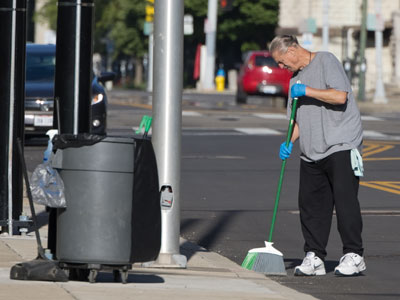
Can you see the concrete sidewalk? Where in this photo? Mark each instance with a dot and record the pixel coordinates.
(208, 276)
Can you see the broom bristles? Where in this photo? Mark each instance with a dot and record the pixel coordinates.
(249, 261)
(266, 260)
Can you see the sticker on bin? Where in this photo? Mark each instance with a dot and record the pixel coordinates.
(43, 121)
(167, 197)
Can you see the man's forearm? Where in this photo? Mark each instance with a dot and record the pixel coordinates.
(295, 133)
(330, 96)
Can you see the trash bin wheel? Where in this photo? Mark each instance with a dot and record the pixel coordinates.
(121, 276)
(92, 276)
(124, 276)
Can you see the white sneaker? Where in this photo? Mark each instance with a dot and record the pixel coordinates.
(312, 265)
(350, 264)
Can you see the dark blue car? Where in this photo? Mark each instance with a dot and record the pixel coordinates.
(39, 91)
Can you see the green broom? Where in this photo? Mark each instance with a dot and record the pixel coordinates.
(269, 260)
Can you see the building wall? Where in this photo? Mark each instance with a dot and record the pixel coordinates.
(342, 14)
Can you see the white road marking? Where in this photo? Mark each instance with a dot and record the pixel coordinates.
(258, 131)
(370, 118)
(271, 116)
(187, 113)
(374, 134)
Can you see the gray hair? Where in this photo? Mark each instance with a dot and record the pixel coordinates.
(282, 43)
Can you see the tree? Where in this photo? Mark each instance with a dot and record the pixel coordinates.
(118, 22)
(250, 23)
(247, 25)
(48, 14)
(123, 21)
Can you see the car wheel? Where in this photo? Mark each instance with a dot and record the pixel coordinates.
(241, 97)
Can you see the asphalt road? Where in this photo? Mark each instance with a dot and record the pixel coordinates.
(229, 186)
(230, 170)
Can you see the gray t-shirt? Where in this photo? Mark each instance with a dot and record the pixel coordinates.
(325, 128)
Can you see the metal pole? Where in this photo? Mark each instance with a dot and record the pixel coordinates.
(363, 41)
(167, 122)
(77, 64)
(74, 51)
(396, 35)
(325, 25)
(11, 119)
(379, 96)
(150, 67)
(211, 36)
(12, 95)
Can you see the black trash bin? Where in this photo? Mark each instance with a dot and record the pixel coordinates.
(113, 214)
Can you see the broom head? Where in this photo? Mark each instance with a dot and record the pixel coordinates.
(266, 260)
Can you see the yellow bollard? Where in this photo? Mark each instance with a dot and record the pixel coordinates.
(220, 83)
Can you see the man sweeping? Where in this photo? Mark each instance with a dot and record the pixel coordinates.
(328, 127)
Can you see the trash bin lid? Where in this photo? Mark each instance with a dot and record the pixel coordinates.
(111, 154)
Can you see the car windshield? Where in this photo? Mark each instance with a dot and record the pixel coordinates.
(40, 67)
(261, 61)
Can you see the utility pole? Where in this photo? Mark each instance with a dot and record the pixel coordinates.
(363, 41)
(167, 124)
(211, 37)
(325, 25)
(149, 22)
(396, 34)
(12, 95)
(379, 96)
(150, 65)
(74, 72)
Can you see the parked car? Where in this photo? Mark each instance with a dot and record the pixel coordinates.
(261, 75)
(39, 92)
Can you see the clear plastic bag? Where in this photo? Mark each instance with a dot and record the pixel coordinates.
(47, 186)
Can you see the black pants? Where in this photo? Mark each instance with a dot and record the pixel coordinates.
(324, 185)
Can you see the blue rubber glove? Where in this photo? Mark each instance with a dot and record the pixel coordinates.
(284, 151)
(298, 90)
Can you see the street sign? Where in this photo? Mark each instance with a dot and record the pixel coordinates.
(187, 24)
(308, 26)
(375, 22)
(147, 28)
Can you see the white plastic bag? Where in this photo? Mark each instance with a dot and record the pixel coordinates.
(47, 186)
(357, 163)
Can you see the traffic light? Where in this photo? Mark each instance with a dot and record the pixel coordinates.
(149, 10)
(226, 5)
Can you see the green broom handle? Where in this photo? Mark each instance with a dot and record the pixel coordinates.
(278, 193)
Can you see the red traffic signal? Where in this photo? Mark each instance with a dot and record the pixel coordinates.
(226, 5)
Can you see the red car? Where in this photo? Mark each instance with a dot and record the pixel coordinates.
(261, 75)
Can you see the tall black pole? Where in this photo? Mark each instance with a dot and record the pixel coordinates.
(12, 96)
(74, 51)
(30, 24)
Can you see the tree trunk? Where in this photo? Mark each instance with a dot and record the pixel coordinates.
(138, 80)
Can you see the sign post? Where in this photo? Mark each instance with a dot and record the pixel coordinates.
(167, 123)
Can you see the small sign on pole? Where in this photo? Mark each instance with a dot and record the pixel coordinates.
(308, 26)
(147, 28)
(188, 25)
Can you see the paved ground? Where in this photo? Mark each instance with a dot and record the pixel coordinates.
(208, 276)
